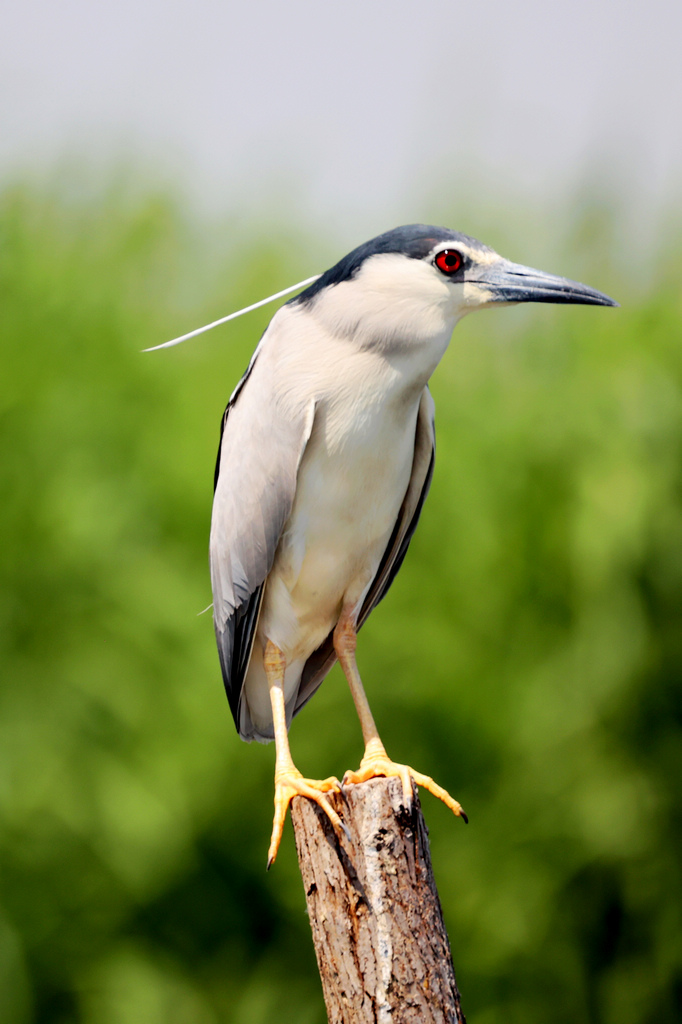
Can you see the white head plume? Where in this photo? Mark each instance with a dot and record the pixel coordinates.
(233, 316)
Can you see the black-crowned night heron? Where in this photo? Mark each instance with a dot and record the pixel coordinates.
(326, 456)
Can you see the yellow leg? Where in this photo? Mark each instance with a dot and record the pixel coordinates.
(376, 761)
(288, 780)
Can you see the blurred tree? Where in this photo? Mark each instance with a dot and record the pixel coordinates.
(529, 652)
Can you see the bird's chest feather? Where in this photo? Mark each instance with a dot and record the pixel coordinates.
(350, 487)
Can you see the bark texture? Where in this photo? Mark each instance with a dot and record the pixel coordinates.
(381, 945)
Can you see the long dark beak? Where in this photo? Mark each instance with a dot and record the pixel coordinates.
(512, 282)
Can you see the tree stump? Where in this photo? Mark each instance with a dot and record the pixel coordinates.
(381, 945)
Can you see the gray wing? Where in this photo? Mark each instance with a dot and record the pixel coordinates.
(322, 660)
(262, 441)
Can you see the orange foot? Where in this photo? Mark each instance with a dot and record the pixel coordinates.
(377, 764)
(290, 783)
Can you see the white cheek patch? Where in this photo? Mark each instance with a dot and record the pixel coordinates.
(475, 294)
(390, 297)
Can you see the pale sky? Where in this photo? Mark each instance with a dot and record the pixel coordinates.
(350, 112)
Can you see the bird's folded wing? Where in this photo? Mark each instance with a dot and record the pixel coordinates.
(262, 442)
(322, 660)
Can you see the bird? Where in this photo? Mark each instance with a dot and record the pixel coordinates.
(326, 456)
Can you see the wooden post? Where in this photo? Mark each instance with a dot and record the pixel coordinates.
(381, 945)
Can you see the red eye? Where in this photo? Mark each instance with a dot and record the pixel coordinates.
(449, 261)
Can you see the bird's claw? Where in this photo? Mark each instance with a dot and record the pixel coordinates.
(373, 767)
(290, 783)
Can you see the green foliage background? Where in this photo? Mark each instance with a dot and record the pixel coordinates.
(528, 656)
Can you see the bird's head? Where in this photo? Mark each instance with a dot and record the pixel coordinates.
(412, 285)
(417, 281)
